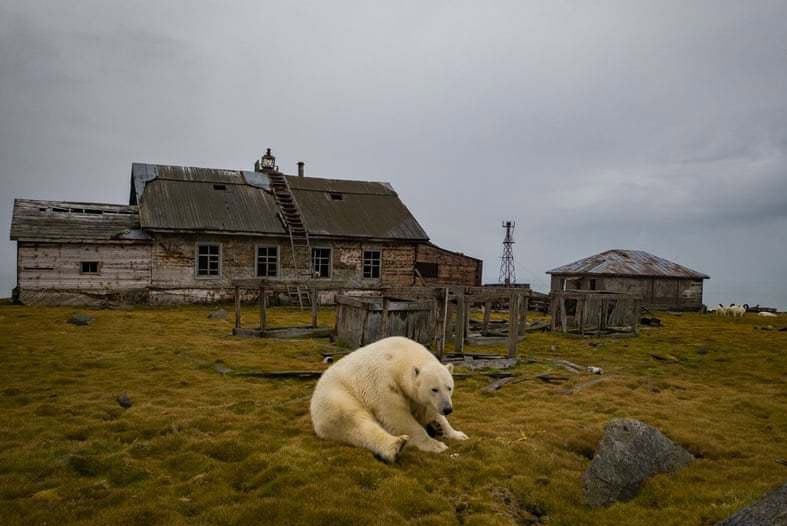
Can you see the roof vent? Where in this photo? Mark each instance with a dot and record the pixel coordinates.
(300, 168)
(219, 187)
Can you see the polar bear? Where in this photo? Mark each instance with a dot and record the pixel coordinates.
(383, 396)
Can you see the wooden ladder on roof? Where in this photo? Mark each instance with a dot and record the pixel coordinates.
(299, 238)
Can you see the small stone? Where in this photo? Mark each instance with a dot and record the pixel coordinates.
(629, 453)
(81, 319)
(219, 314)
(123, 401)
(48, 495)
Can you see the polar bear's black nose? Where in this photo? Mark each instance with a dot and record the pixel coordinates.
(447, 410)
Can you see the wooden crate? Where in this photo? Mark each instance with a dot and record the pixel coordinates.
(363, 320)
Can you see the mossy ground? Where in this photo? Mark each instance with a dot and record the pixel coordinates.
(197, 447)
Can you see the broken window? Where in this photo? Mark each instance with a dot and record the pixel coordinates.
(267, 262)
(321, 262)
(208, 260)
(335, 196)
(88, 267)
(371, 263)
(426, 270)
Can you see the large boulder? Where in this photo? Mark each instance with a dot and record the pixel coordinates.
(771, 510)
(629, 452)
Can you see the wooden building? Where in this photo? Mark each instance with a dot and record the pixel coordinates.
(188, 232)
(656, 282)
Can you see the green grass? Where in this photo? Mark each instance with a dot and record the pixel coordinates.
(197, 447)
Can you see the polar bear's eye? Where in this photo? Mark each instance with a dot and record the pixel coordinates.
(435, 389)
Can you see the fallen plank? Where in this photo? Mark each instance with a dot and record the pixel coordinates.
(667, 358)
(500, 382)
(585, 385)
(285, 332)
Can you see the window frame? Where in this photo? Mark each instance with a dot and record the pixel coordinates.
(88, 273)
(257, 260)
(379, 263)
(330, 260)
(424, 275)
(197, 246)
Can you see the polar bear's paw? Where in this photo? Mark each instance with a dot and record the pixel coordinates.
(392, 452)
(457, 435)
(432, 446)
(434, 429)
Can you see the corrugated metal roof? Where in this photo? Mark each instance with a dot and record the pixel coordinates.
(628, 263)
(72, 221)
(169, 204)
(184, 198)
(332, 207)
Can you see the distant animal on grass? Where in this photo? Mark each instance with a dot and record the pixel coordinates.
(721, 310)
(736, 311)
(383, 397)
(767, 315)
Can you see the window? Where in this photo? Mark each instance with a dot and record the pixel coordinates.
(267, 262)
(88, 267)
(592, 284)
(335, 196)
(426, 270)
(208, 260)
(371, 263)
(321, 262)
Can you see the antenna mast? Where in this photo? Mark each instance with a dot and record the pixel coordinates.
(507, 275)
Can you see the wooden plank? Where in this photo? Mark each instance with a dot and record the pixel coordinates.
(487, 314)
(513, 322)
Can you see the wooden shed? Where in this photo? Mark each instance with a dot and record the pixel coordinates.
(657, 282)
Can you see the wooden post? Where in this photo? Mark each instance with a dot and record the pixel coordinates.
(315, 306)
(263, 311)
(459, 331)
(581, 313)
(237, 307)
(553, 312)
(384, 318)
(487, 313)
(563, 315)
(513, 322)
(522, 311)
(636, 317)
(436, 317)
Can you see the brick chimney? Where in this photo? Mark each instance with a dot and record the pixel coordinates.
(300, 168)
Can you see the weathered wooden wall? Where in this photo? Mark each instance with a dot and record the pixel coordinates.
(452, 267)
(50, 272)
(655, 293)
(359, 321)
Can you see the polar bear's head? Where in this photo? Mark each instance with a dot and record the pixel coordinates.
(434, 386)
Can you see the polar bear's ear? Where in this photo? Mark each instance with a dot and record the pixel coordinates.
(416, 371)
(450, 367)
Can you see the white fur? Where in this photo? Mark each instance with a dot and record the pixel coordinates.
(381, 396)
(736, 311)
(767, 315)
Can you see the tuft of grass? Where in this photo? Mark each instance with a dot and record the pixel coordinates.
(198, 447)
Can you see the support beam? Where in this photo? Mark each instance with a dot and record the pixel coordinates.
(384, 318)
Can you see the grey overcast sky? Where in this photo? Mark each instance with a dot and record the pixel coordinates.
(658, 125)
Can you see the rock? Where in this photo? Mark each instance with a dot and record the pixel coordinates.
(219, 314)
(771, 510)
(123, 401)
(81, 319)
(629, 452)
(220, 367)
(651, 322)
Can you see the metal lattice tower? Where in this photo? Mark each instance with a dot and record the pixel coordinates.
(507, 274)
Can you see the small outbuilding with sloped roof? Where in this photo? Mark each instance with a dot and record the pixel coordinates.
(658, 282)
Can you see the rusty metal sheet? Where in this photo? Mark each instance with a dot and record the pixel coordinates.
(628, 263)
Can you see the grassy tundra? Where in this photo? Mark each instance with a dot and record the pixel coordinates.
(198, 447)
